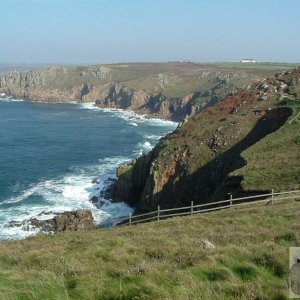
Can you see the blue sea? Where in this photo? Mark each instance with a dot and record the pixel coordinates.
(50, 155)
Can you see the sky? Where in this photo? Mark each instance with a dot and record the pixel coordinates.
(111, 31)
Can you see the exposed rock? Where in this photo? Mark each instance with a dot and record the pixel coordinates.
(206, 244)
(79, 220)
(14, 224)
(131, 179)
(94, 199)
(144, 95)
(194, 162)
(95, 181)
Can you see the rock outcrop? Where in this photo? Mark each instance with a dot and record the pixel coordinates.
(79, 220)
(56, 84)
(131, 179)
(199, 159)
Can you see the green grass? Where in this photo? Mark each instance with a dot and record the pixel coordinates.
(159, 260)
(263, 65)
(272, 162)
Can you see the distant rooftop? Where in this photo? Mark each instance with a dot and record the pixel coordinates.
(248, 60)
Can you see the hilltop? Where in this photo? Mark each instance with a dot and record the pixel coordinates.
(164, 90)
(247, 143)
(236, 254)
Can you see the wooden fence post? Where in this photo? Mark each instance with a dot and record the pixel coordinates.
(272, 197)
(230, 201)
(192, 207)
(158, 212)
(129, 219)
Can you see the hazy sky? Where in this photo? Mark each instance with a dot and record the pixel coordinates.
(107, 31)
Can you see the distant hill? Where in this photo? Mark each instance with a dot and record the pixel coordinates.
(248, 143)
(6, 68)
(164, 90)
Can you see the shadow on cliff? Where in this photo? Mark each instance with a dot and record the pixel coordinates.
(212, 180)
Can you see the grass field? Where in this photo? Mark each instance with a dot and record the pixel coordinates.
(171, 259)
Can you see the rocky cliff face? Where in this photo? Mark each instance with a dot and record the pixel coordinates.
(57, 84)
(167, 91)
(36, 86)
(155, 105)
(200, 161)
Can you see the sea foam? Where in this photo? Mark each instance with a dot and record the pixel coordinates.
(67, 193)
(73, 190)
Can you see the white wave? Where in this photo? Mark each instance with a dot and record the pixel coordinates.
(143, 147)
(160, 122)
(74, 190)
(152, 137)
(68, 193)
(15, 233)
(115, 212)
(88, 105)
(147, 145)
(11, 100)
(21, 197)
(129, 115)
(16, 100)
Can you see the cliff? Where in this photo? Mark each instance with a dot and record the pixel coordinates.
(167, 90)
(248, 142)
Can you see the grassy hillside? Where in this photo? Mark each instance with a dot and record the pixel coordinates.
(171, 259)
(179, 79)
(274, 161)
(247, 143)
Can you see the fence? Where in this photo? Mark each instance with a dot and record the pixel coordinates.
(160, 214)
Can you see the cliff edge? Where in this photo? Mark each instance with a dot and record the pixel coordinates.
(249, 142)
(163, 90)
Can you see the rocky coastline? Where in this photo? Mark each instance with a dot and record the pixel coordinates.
(113, 95)
(201, 159)
(78, 220)
(198, 161)
(168, 91)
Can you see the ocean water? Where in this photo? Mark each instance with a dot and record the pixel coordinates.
(51, 153)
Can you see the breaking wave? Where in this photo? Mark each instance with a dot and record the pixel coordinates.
(72, 189)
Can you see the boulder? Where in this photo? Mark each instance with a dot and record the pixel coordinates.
(206, 244)
(94, 199)
(79, 220)
(96, 181)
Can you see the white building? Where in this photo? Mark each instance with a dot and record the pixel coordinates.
(248, 60)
